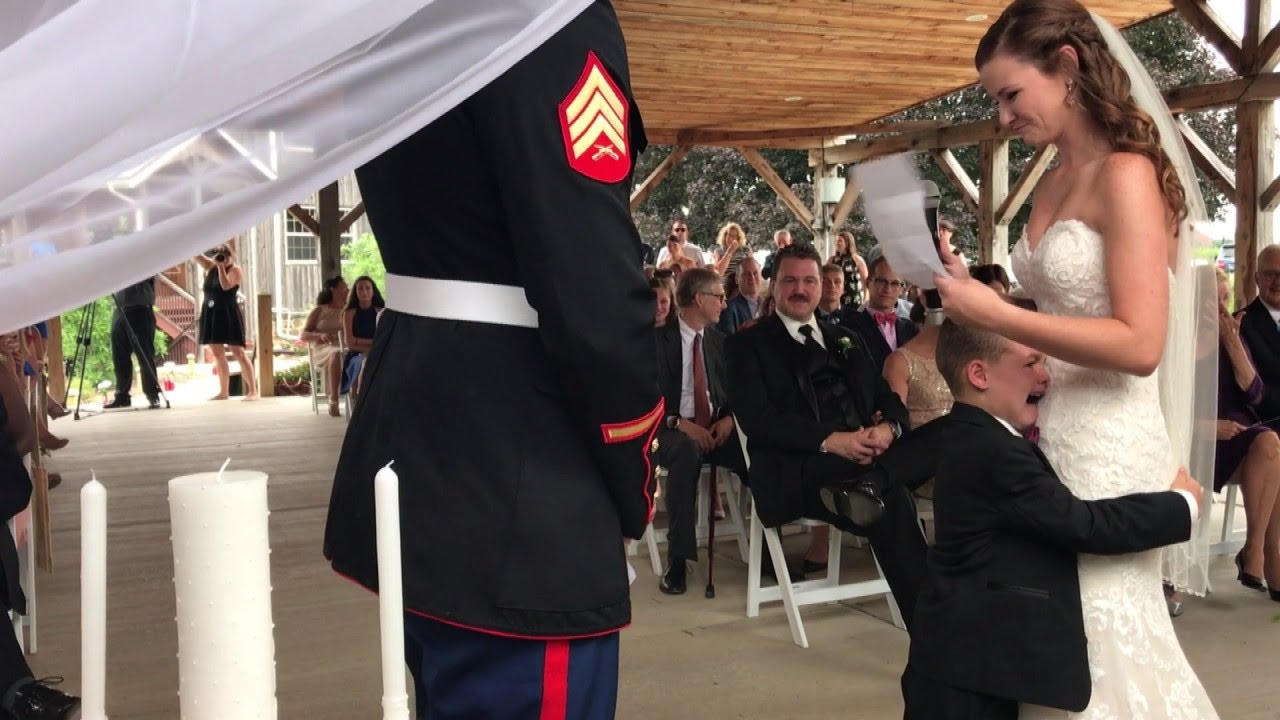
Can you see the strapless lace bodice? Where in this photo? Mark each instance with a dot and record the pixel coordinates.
(1103, 431)
(1105, 435)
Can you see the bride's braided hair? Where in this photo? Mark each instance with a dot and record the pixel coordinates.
(1035, 30)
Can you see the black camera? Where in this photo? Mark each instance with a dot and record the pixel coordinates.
(219, 258)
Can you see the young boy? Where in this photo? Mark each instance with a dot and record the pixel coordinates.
(999, 620)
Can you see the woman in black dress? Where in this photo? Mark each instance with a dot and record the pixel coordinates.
(359, 321)
(854, 267)
(221, 327)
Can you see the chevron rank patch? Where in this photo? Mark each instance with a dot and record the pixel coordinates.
(593, 120)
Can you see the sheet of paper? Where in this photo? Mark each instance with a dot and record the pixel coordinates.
(893, 199)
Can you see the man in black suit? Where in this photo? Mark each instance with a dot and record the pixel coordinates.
(745, 306)
(999, 620)
(816, 413)
(1260, 328)
(699, 426)
(879, 325)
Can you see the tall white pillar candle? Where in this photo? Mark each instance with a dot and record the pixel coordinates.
(386, 492)
(222, 578)
(93, 601)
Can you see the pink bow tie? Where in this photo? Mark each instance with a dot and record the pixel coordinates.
(884, 318)
(1032, 434)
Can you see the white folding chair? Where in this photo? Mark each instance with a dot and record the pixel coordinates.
(320, 379)
(1230, 541)
(823, 590)
(731, 528)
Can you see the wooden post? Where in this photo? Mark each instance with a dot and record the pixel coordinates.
(993, 236)
(823, 239)
(329, 217)
(1255, 157)
(266, 343)
(57, 361)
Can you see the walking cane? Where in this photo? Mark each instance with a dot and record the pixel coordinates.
(713, 488)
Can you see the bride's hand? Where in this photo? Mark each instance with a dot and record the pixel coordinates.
(968, 302)
(954, 263)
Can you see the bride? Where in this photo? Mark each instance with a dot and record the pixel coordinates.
(1105, 229)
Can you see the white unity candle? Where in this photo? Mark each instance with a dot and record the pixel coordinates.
(386, 492)
(222, 578)
(93, 600)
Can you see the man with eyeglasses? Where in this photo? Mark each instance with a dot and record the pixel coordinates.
(1260, 328)
(680, 229)
(699, 424)
(879, 325)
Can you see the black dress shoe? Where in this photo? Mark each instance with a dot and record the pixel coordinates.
(153, 403)
(1253, 582)
(857, 500)
(809, 567)
(673, 583)
(38, 700)
(118, 403)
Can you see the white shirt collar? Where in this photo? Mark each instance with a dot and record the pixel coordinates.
(686, 332)
(1011, 429)
(793, 328)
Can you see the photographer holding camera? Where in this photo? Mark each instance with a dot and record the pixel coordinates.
(221, 326)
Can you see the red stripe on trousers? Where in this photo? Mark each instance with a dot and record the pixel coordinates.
(555, 681)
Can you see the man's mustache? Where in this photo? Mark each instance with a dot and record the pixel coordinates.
(801, 298)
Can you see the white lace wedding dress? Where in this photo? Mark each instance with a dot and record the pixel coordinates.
(1105, 435)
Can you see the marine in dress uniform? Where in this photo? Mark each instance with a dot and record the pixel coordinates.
(521, 426)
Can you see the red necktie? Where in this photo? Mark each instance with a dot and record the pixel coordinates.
(701, 402)
(884, 318)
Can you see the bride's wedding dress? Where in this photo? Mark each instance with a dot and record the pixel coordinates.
(1105, 435)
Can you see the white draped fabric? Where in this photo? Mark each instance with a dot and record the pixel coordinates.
(1189, 368)
(140, 133)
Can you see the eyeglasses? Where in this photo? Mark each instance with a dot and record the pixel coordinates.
(895, 284)
(719, 296)
(1269, 275)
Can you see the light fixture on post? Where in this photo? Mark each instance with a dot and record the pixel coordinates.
(827, 191)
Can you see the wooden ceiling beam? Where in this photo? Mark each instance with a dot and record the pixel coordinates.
(1271, 196)
(852, 189)
(660, 173)
(306, 218)
(960, 179)
(944, 137)
(1208, 162)
(1211, 27)
(1025, 184)
(739, 137)
(351, 217)
(1269, 51)
(784, 191)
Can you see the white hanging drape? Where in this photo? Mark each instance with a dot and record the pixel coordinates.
(139, 133)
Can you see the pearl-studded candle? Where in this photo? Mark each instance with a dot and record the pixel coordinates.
(386, 492)
(222, 579)
(93, 600)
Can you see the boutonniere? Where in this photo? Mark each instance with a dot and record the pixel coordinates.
(843, 347)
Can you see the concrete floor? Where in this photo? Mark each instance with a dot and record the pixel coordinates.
(684, 657)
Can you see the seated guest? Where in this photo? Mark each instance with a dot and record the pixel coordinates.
(912, 373)
(999, 621)
(993, 276)
(662, 301)
(22, 697)
(322, 332)
(699, 428)
(831, 301)
(881, 329)
(1258, 329)
(744, 306)
(359, 321)
(1248, 451)
(816, 413)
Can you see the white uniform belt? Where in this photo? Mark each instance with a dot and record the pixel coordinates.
(460, 300)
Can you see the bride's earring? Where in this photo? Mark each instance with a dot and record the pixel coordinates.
(1071, 93)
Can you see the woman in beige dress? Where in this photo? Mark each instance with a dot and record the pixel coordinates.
(912, 373)
(323, 332)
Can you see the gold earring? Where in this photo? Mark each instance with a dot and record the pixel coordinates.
(1071, 94)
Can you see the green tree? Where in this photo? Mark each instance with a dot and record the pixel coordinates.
(362, 257)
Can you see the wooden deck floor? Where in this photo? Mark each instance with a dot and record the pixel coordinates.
(684, 656)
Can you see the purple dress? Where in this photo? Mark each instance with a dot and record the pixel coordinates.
(1242, 407)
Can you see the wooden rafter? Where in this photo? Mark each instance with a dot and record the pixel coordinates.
(1271, 196)
(852, 189)
(660, 173)
(306, 218)
(1256, 24)
(960, 179)
(351, 217)
(1269, 50)
(1210, 26)
(738, 137)
(1255, 130)
(1222, 177)
(1025, 184)
(944, 137)
(771, 177)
